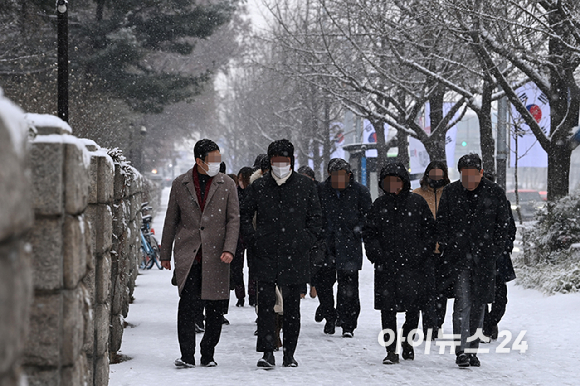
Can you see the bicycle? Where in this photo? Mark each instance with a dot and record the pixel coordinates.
(149, 246)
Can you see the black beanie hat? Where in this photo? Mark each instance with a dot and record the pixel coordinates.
(282, 148)
(204, 146)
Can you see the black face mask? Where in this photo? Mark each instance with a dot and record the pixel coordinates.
(436, 184)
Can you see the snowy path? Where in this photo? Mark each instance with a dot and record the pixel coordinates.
(552, 358)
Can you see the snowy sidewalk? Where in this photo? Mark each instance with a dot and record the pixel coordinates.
(552, 358)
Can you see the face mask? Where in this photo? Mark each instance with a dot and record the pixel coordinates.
(281, 171)
(436, 184)
(213, 169)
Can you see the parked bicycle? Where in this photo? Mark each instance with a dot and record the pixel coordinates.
(149, 246)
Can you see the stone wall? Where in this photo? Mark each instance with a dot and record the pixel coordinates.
(16, 217)
(126, 246)
(69, 248)
(61, 250)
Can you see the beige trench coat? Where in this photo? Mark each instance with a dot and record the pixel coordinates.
(216, 230)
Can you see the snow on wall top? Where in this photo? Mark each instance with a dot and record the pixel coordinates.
(13, 119)
(48, 121)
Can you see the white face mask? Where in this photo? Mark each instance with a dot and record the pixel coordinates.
(213, 168)
(281, 170)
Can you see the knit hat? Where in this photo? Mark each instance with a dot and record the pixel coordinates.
(282, 148)
(337, 164)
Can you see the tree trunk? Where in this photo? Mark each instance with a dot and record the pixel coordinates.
(435, 145)
(403, 146)
(485, 129)
(381, 145)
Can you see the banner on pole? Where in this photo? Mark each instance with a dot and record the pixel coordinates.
(529, 151)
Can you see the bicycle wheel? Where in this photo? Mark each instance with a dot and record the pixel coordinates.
(156, 253)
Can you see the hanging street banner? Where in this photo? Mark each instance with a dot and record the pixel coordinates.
(529, 151)
(370, 136)
(418, 156)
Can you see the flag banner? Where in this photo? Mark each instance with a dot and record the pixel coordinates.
(418, 156)
(529, 151)
(370, 136)
(337, 140)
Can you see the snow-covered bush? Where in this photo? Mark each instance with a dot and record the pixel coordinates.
(550, 260)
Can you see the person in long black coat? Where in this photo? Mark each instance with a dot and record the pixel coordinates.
(504, 274)
(344, 204)
(472, 223)
(288, 222)
(399, 238)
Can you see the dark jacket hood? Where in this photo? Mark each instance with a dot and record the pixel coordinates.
(399, 170)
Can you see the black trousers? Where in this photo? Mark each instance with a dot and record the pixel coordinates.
(492, 318)
(389, 322)
(347, 298)
(267, 321)
(237, 272)
(190, 309)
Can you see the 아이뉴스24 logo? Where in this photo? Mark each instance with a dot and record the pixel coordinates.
(416, 337)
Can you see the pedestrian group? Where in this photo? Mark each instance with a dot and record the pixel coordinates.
(442, 240)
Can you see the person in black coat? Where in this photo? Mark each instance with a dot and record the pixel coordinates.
(237, 264)
(399, 236)
(504, 273)
(344, 204)
(472, 223)
(288, 222)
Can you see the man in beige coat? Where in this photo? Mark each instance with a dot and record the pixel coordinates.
(203, 221)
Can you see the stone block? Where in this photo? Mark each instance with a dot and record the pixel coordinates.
(116, 333)
(103, 279)
(106, 177)
(120, 218)
(89, 247)
(101, 375)
(47, 255)
(43, 346)
(74, 251)
(16, 214)
(47, 166)
(102, 322)
(119, 185)
(93, 179)
(116, 295)
(43, 377)
(76, 374)
(101, 219)
(15, 301)
(73, 325)
(76, 178)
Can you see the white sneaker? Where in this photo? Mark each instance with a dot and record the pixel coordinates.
(182, 364)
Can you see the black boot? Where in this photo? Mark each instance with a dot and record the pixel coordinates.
(289, 361)
(407, 351)
(391, 358)
(267, 360)
(329, 328)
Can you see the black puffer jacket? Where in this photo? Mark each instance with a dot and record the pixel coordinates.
(343, 216)
(399, 237)
(288, 223)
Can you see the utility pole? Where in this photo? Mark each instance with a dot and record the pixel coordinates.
(62, 37)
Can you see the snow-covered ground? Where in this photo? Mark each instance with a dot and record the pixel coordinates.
(552, 327)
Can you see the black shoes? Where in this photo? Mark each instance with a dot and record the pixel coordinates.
(240, 302)
(180, 363)
(347, 333)
(462, 360)
(318, 317)
(408, 352)
(329, 328)
(289, 361)
(474, 361)
(391, 358)
(267, 360)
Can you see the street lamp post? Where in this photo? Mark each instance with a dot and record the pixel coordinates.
(62, 37)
